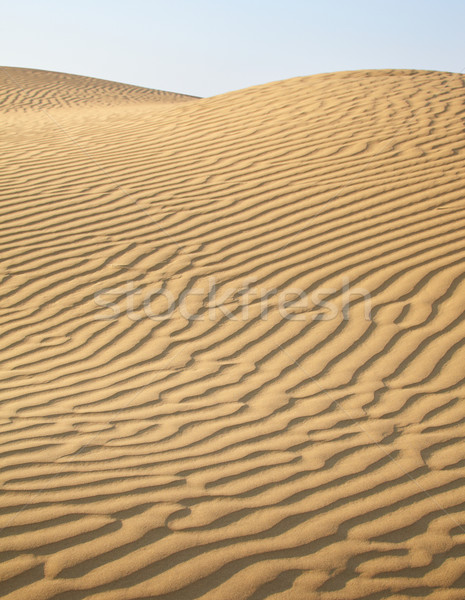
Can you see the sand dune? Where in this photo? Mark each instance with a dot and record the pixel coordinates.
(182, 415)
(32, 89)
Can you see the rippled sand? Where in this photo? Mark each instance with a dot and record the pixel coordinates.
(233, 339)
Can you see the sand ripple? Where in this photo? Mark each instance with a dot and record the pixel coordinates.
(232, 456)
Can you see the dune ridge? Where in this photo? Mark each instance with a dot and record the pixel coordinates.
(316, 456)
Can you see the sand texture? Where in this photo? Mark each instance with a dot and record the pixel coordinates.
(158, 441)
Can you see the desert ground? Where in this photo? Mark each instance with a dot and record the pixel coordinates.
(233, 339)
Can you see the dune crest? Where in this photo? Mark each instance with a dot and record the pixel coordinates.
(232, 339)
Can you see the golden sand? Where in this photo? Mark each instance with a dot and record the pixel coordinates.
(216, 450)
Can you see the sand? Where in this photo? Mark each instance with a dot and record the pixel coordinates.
(182, 415)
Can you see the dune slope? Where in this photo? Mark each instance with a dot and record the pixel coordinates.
(33, 89)
(233, 339)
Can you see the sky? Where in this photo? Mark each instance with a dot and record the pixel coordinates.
(208, 47)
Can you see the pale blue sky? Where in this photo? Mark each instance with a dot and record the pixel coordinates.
(207, 47)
